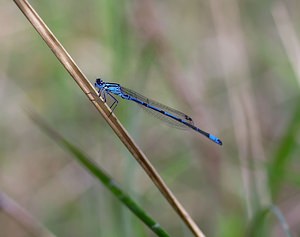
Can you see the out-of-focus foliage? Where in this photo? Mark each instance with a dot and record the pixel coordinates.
(232, 66)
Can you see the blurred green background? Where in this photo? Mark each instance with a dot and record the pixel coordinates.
(233, 66)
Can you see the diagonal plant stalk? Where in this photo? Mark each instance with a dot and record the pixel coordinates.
(110, 118)
(104, 178)
(22, 217)
(288, 35)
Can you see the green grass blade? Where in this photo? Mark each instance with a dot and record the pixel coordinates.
(104, 178)
(279, 165)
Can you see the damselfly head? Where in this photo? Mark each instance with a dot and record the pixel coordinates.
(99, 83)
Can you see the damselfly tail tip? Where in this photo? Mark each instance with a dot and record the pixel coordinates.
(215, 139)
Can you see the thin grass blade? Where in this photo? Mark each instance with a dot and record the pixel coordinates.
(102, 176)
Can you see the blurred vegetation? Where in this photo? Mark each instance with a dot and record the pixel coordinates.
(232, 66)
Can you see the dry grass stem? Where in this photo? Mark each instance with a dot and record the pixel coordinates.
(236, 72)
(92, 94)
(22, 217)
(288, 36)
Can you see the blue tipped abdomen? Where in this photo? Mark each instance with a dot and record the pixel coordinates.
(215, 139)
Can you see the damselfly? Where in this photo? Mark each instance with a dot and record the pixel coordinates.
(169, 115)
